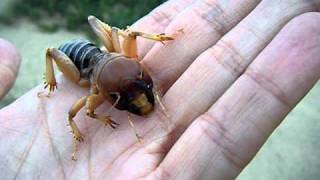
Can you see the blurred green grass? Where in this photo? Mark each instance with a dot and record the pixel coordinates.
(72, 14)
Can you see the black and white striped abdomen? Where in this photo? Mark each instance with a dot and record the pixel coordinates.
(83, 53)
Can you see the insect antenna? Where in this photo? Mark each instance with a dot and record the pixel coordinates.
(140, 139)
(163, 108)
(115, 103)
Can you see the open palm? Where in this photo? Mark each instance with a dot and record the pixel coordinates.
(228, 81)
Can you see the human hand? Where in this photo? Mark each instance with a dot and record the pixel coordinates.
(226, 85)
(9, 65)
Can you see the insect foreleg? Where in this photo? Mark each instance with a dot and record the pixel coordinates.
(93, 102)
(156, 37)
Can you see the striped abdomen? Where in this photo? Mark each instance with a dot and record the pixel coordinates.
(83, 54)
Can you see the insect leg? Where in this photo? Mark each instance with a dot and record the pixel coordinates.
(50, 80)
(103, 31)
(65, 65)
(115, 40)
(94, 101)
(74, 128)
(156, 37)
(72, 113)
(130, 45)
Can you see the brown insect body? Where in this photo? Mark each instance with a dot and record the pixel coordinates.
(115, 76)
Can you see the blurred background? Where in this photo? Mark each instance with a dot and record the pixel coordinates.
(291, 152)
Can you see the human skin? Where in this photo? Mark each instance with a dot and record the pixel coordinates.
(227, 82)
(9, 65)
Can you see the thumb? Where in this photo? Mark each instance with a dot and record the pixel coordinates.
(9, 65)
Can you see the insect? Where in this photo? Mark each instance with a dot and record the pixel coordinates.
(114, 75)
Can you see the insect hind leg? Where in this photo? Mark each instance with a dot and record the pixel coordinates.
(103, 31)
(110, 37)
(65, 65)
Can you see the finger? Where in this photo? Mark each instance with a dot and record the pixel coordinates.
(222, 141)
(203, 24)
(9, 65)
(157, 20)
(218, 67)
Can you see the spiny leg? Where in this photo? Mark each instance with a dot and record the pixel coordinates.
(74, 128)
(72, 113)
(103, 31)
(110, 39)
(65, 65)
(50, 80)
(130, 43)
(108, 35)
(75, 150)
(156, 37)
(94, 101)
(115, 40)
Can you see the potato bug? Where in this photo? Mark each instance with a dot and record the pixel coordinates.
(113, 75)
